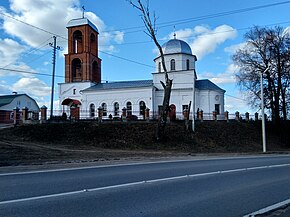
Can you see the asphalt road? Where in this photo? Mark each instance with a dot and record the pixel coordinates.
(216, 187)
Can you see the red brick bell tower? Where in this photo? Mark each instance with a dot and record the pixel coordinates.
(82, 62)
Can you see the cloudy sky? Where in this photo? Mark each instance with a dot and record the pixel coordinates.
(213, 29)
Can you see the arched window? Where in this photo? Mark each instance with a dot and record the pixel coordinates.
(129, 108)
(104, 107)
(76, 70)
(172, 65)
(92, 110)
(78, 42)
(116, 108)
(142, 107)
(159, 67)
(93, 43)
(187, 64)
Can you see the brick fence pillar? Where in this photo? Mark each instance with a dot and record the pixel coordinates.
(214, 115)
(185, 114)
(237, 116)
(256, 116)
(200, 115)
(43, 114)
(247, 116)
(124, 113)
(16, 116)
(147, 112)
(227, 116)
(100, 114)
(24, 114)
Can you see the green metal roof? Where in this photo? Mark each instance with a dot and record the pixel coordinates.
(6, 99)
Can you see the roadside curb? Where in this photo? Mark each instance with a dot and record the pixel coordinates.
(267, 210)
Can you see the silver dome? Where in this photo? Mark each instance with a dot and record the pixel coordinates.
(174, 46)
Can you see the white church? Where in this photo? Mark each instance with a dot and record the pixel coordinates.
(83, 93)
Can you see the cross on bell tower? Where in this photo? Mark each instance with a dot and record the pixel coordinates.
(82, 62)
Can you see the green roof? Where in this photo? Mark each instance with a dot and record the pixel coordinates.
(6, 99)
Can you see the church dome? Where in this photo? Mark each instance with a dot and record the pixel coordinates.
(174, 46)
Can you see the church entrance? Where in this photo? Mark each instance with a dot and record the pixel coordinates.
(172, 112)
(74, 108)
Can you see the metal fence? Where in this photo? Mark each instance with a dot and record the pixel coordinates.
(59, 115)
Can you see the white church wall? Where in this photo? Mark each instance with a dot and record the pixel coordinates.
(206, 100)
(179, 98)
(121, 96)
(72, 90)
(181, 79)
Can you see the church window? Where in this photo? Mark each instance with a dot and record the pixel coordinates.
(78, 42)
(187, 64)
(116, 108)
(217, 108)
(172, 65)
(104, 107)
(74, 91)
(129, 108)
(142, 107)
(92, 110)
(159, 67)
(76, 70)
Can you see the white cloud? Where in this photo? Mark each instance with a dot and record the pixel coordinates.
(208, 40)
(234, 48)
(238, 102)
(32, 86)
(226, 77)
(53, 17)
(10, 51)
(204, 40)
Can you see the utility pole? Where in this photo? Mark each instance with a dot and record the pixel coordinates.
(263, 113)
(53, 45)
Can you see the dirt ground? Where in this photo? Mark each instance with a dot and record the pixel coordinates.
(71, 143)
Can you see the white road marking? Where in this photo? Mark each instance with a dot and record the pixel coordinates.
(143, 163)
(269, 208)
(139, 183)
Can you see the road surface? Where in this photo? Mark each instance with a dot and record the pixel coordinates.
(215, 187)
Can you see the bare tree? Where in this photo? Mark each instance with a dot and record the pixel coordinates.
(151, 32)
(264, 47)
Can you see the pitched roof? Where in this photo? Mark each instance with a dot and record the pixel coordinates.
(6, 99)
(206, 84)
(120, 85)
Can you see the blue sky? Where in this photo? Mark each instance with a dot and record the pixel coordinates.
(212, 34)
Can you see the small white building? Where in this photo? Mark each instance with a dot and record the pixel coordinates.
(83, 92)
(9, 102)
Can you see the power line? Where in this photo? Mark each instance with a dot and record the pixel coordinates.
(30, 72)
(204, 17)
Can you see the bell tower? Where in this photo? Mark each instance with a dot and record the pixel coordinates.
(82, 63)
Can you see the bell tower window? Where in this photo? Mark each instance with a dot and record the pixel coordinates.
(93, 44)
(172, 65)
(187, 64)
(77, 70)
(78, 42)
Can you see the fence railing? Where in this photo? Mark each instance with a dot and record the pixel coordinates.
(25, 116)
